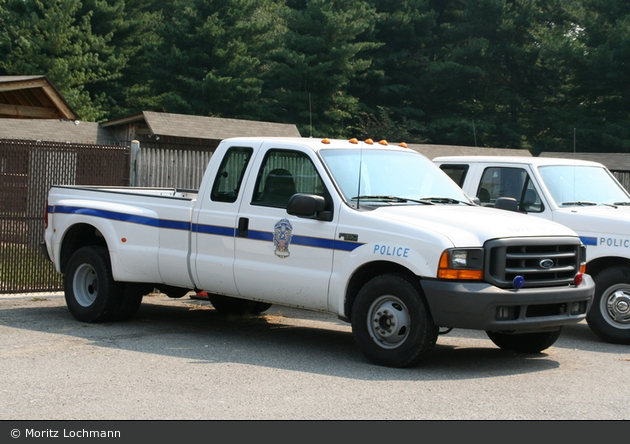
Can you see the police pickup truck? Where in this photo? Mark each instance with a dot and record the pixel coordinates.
(584, 196)
(374, 233)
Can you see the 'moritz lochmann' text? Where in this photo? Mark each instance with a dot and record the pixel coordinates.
(65, 433)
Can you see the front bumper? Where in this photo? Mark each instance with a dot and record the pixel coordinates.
(481, 306)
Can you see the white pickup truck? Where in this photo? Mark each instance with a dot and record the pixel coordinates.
(374, 233)
(582, 195)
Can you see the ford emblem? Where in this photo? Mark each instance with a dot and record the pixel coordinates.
(546, 263)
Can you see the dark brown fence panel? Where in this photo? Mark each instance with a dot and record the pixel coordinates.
(27, 171)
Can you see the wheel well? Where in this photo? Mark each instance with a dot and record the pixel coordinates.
(78, 236)
(596, 265)
(364, 274)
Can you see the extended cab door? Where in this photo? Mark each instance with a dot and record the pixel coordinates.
(215, 221)
(278, 257)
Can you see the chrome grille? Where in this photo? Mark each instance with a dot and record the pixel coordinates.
(540, 261)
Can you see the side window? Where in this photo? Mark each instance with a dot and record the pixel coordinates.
(284, 173)
(456, 172)
(531, 200)
(230, 176)
(509, 182)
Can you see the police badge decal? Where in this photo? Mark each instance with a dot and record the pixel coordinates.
(282, 238)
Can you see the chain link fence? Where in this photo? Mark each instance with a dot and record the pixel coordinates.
(28, 169)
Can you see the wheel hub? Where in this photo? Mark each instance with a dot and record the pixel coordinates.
(389, 322)
(85, 285)
(618, 307)
(385, 322)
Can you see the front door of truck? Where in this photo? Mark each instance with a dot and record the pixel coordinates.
(278, 257)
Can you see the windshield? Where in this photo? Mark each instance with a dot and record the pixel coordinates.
(390, 177)
(583, 185)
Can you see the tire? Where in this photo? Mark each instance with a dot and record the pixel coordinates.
(91, 293)
(609, 316)
(391, 323)
(132, 299)
(237, 306)
(525, 342)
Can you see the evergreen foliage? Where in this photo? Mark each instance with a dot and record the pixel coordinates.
(545, 75)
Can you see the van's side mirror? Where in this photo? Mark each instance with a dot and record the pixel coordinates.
(506, 203)
(309, 206)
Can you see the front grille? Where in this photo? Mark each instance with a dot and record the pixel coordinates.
(540, 261)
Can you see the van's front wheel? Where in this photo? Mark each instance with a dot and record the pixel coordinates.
(391, 323)
(91, 293)
(609, 316)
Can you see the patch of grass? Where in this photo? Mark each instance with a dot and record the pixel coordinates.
(24, 269)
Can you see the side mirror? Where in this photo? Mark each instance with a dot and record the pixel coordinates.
(506, 203)
(309, 206)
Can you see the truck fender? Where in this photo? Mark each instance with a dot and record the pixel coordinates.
(115, 226)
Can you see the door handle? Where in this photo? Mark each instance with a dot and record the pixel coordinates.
(243, 226)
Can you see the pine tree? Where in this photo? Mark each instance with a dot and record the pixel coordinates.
(55, 38)
(392, 95)
(314, 67)
(208, 61)
(132, 26)
(598, 105)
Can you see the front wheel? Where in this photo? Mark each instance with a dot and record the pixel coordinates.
(91, 293)
(609, 316)
(391, 323)
(525, 342)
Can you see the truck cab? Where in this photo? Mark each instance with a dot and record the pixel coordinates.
(582, 195)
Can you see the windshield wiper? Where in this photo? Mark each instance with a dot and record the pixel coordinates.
(444, 200)
(622, 204)
(580, 203)
(589, 203)
(387, 198)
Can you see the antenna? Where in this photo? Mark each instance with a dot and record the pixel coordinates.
(310, 113)
(360, 174)
(574, 169)
(474, 131)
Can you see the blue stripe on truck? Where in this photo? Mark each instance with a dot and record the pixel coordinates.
(202, 228)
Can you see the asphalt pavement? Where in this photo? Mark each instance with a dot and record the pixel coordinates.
(178, 359)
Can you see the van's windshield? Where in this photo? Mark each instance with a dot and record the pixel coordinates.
(572, 185)
(386, 177)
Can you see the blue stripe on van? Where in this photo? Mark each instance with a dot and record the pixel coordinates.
(588, 240)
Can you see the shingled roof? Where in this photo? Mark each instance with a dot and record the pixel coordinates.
(200, 127)
(433, 151)
(55, 130)
(612, 161)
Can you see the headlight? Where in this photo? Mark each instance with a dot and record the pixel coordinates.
(461, 263)
(583, 259)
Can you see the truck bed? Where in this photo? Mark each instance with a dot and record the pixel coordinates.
(179, 193)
